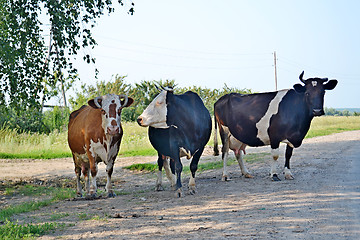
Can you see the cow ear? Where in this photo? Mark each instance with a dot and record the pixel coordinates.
(299, 88)
(95, 103)
(330, 85)
(129, 102)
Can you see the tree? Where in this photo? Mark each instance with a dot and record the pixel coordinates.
(27, 73)
(87, 92)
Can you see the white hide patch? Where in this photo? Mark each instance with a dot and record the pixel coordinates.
(155, 114)
(288, 143)
(264, 123)
(98, 149)
(185, 153)
(314, 83)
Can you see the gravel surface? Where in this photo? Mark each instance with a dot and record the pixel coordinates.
(322, 202)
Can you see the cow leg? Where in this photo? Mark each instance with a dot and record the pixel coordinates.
(244, 170)
(93, 170)
(193, 168)
(178, 170)
(109, 171)
(169, 173)
(288, 154)
(275, 156)
(78, 175)
(160, 161)
(78, 184)
(86, 173)
(224, 153)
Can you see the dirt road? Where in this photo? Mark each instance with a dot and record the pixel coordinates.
(323, 202)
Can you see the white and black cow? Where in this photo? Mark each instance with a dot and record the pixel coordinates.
(268, 119)
(179, 125)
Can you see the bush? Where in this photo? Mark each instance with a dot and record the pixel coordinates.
(144, 92)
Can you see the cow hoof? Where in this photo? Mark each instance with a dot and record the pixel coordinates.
(275, 178)
(178, 193)
(248, 175)
(289, 177)
(159, 188)
(225, 178)
(90, 196)
(192, 191)
(111, 194)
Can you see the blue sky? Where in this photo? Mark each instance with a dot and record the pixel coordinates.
(212, 43)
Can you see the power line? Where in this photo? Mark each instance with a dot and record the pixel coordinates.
(185, 66)
(312, 68)
(182, 50)
(184, 56)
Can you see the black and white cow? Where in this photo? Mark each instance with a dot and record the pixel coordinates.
(268, 119)
(179, 126)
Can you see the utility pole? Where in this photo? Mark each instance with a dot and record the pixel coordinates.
(60, 76)
(275, 70)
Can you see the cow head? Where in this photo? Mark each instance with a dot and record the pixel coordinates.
(314, 91)
(111, 106)
(155, 115)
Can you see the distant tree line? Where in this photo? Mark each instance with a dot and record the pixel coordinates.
(143, 93)
(345, 112)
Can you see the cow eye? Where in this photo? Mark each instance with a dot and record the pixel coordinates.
(159, 103)
(103, 111)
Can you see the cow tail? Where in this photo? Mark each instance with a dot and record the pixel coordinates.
(216, 147)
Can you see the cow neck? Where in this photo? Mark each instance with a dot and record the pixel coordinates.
(307, 112)
(176, 112)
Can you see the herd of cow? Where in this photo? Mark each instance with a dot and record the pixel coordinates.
(180, 126)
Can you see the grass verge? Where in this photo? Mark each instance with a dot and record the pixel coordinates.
(56, 194)
(135, 141)
(14, 230)
(11, 230)
(249, 158)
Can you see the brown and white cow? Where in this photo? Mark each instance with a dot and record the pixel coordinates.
(94, 135)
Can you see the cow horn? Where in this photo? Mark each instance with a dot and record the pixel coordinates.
(97, 102)
(168, 88)
(158, 88)
(125, 99)
(301, 77)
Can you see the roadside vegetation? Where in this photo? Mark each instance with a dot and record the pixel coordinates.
(12, 229)
(135, 141)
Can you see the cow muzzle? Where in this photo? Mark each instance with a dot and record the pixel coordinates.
(318, 112)
(113, 130)
(140, 121)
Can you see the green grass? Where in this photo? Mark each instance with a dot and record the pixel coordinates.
(13, 145)
(143, 167)
(56, 216)
(11, 230)
(249, 158)
(29, 190)
(55, 195)
(135, 141)
(326, 125)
